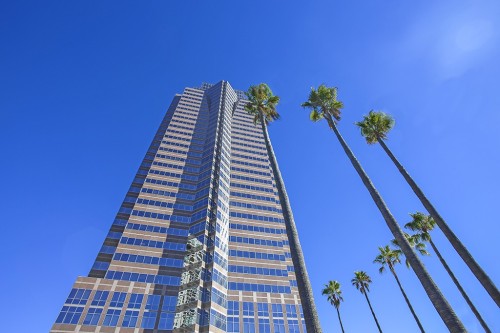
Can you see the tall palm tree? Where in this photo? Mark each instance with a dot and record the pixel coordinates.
(362, 282)
(324, 104)
(334, 296)
(374, 128)
(389, 257)
(424, 224)
(262, 105)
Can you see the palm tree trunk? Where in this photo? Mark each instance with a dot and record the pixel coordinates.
(438, 300)
(340, 320)
(371, 309)
(407, 301)
(305, 290)
(462, 291)
(452, 238)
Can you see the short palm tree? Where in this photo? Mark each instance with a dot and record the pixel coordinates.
(334, 296)
(388, 257)
(324, 104)
(374, 128)
(424, 224)
(262, 105)
(362, 282)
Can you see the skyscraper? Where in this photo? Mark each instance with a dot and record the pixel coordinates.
(200, 243)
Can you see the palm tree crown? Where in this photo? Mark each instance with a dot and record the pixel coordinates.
(375, 126)
(423, 224)
(387, 257)
(333, 293)
(361, 281)
(415, 242)
(262, 102)
(323, 103)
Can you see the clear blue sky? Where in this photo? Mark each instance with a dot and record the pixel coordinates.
(84, 85)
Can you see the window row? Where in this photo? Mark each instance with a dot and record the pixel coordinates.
(251, 187)
(253, 196)
(249, 151)
(151, 243)
(171, 184)
(251, 179)
(260, 166)
(235, 137)
(265, 160)
(168, 194)
(262, 147)
(255, 241)
(253, 206)
(174, 218)
(162, 230)
(263, 288)
(167, 262)
(257, 270)
(145, 278)
(176, 166)
(256, 255)
(257, 217)
(248, 135)
(266, 230)
(254, 172)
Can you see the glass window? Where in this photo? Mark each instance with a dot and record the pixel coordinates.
(233, 325)
(135, 301)
(248, 309)
(293, 326)
(263, 309)
(118, 299)
(291, 311)
(130, 318)
(92, 318)
(248, 325)
(153, 302)
(166, 321)
(277, 310)
(111, 318)
(78, 296)
(233, 308)
(100, 298)
(148, 320)
(264, 325)
(169, 303)
(279, 326)
(69, 315)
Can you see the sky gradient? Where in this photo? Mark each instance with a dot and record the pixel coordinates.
(85, 85)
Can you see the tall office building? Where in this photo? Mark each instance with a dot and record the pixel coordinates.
(200, 243)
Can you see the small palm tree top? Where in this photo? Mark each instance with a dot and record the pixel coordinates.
(333, 293)
(323, 102)
(261, 100)
(387, 257)
(361, 281)
(415, 242)
(375, 126)
(421, 223)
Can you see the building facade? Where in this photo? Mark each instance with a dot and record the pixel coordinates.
(199, 243)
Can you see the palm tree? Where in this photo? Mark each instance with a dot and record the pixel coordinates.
(424, 224)
(389, 257)
(374, 128)
(334, 296)
(262, 105)
(324, 104)
(362, 282)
